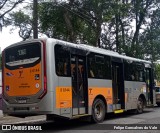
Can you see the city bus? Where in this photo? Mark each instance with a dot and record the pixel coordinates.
(65, 80)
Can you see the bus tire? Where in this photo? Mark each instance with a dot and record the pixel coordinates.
(98, 111)
(140, 105)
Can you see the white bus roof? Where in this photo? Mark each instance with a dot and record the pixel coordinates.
(101, 51)
(84, 47)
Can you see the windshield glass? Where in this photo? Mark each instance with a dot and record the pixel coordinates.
(26, 55)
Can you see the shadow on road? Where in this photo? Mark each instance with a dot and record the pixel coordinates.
(77, 124)
(80, 125)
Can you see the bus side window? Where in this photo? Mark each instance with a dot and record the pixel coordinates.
(99, 66)
(129, 71)
(62, 61)
(59, 68)
(91, 73)
(66, 67)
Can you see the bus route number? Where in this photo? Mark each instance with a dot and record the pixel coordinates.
(64, 89)
(22, 52)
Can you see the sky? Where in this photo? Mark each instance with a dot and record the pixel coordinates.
(7, 38)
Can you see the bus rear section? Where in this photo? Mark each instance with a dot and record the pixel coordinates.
(24, 79)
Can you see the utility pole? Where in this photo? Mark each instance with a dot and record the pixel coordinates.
(35, 19)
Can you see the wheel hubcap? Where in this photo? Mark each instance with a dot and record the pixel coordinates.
(98, 111)
(140, 105)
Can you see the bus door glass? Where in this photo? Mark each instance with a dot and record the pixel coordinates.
(118, 83)
(79, 82)
(149, 85)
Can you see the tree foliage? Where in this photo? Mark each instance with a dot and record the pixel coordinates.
(105, 23)
(7, 6)
(23, 22)
(157, 72)
(130, 27)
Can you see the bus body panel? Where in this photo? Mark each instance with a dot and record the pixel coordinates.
(133, 90)
(64, 96)
(37, 106)
(58, 100)
(104, 88)
(26, 85)
(54, 82)
(23, 72)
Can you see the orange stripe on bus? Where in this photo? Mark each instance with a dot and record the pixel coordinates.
(95, 91)
(63, 97)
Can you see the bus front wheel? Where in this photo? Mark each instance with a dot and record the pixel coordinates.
(98, 111)
(140, 105)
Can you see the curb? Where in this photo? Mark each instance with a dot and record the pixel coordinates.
(16, 120)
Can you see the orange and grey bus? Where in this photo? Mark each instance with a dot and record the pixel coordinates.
(65, 80)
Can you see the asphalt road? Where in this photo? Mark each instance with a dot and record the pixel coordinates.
(149, 120)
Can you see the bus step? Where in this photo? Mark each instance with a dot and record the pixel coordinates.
(80, 115)
(150, 106)
(118, 111)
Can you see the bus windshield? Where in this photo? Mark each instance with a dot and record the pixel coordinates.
(21, 56)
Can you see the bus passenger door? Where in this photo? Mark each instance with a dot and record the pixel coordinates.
(118, 84)
(79, 84)
(150, 93)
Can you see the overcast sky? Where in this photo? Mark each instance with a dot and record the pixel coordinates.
(7, 38)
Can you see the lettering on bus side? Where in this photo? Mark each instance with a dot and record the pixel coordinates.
(90, 91)
(64, 89)
(34, 70)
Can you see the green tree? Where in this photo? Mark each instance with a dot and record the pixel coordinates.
(7, 6)
(53, 22)
(74, 20)
(157, 72)
(150, 38)
(115, 30)
(105, 23)
(23, 22)
(120, 33)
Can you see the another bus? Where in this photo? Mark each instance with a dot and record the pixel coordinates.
(66, 80)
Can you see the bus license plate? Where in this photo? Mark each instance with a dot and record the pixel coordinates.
(22, 101)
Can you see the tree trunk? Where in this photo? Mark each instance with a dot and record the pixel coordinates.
(35, 19)
(117, 31)
(69, 26)
(98, 34)
(68, 22)
(123, 34)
